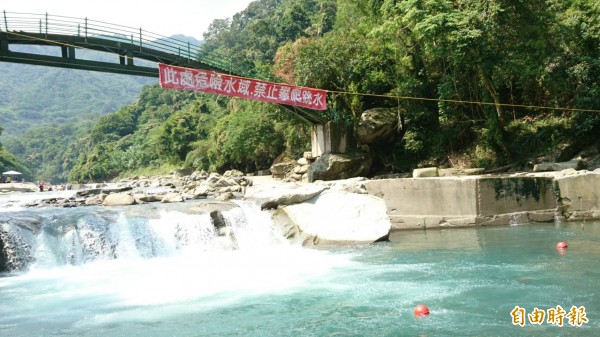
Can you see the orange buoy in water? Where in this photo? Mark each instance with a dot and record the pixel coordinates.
(421, 310)
(562, 245)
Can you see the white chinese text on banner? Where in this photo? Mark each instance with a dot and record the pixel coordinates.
(173, 77)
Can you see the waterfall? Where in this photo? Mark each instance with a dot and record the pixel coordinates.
(60, 237)
(254, 228)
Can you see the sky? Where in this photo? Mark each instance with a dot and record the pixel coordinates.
(170, 17)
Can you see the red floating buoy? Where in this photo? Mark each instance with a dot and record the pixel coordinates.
(562, 245)
(421, 310)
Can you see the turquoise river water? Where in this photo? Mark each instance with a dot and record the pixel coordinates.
(471, 280)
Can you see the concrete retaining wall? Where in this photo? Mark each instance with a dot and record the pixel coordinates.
(427, 202)
(487, 200)
(579, 196)
(506, 200)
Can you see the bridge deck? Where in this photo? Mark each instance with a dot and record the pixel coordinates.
(126, 52)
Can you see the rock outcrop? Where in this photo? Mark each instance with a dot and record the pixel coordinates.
(377, 125)
(575, 164)
(271, 197)
(119, 199)
(426, 172)
(172, 197)
(172, 188)
(292, 171)
(15, 251)
(339, 166)
(282, 165)
(336, 217)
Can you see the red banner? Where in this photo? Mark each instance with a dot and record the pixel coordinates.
(172, 77)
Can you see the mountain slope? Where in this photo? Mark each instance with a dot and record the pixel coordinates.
(36, 95)
(44, 110)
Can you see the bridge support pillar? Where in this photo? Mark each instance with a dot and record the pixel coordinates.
(67, 52)
(129, 58)
(4, 47)
(329, 138)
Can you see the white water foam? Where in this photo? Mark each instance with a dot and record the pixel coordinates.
(134, 269)
(147, 290)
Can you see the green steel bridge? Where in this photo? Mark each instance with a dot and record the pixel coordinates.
(67, 35)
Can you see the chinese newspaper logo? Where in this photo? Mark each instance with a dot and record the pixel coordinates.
(554, 316)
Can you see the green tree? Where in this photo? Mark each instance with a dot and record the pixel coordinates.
(245, 140)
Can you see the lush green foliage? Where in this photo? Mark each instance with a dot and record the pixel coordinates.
(9, 162)
(464, 70)
(542, 53)
(251, 38)
(186, 130)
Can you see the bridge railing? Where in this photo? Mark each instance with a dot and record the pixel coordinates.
(84, 27)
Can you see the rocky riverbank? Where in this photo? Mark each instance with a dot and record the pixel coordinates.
(363, 210)
(312, 214)
(6, 188)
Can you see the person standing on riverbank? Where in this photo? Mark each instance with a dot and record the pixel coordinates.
(41, 185)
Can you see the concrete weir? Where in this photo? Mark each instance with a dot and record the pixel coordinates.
(420, 203)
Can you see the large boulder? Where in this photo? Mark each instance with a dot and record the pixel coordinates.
(339, 166)
(171, 197)
(141, 198)
(460, 172)
(593, 162)
(103, 190)
(339, 217)
(353, 185)
(426, 172)
(575, 164)
(226, 182)
(201, 191)
(271, 196)
(199, 175)
(590, 156)
(233, 173)
(119, 199)
(377, 125)
(220, 224)
(279, 170)
(97, 199)
(282, 165)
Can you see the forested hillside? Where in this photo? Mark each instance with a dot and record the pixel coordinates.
(171, 129)
(531, 53)
(8, 161)
(474, 83)
(36, 95)
(38, 104)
